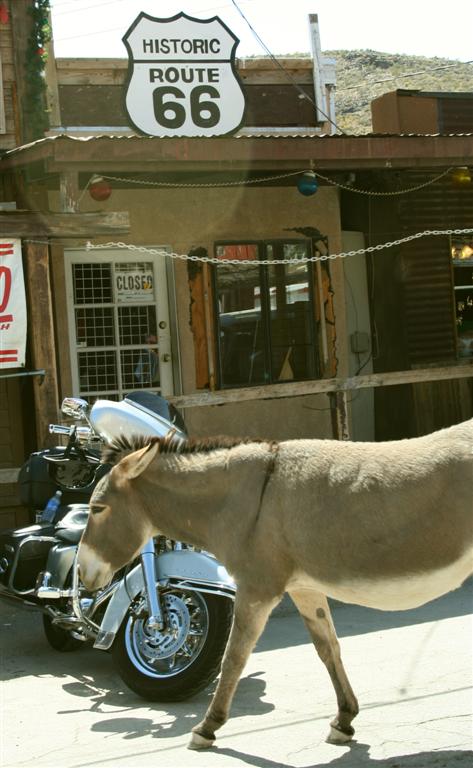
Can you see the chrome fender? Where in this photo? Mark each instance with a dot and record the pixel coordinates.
(184, 568)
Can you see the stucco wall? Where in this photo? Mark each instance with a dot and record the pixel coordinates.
(187, 218)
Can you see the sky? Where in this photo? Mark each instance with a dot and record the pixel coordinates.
(94, 28)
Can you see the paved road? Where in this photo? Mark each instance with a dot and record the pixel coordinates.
(412, 672)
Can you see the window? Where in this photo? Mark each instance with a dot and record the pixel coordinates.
(462, 260)
(266, 327)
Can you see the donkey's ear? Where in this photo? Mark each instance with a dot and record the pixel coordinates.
(135, 463)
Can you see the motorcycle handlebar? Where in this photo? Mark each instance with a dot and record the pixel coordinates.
(59, 429)
(83, 433)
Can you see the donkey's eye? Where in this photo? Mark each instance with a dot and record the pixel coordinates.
(96, 509)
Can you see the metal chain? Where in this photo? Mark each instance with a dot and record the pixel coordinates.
(263, 179)
(320, 257)
(384, 194)
(203, 184)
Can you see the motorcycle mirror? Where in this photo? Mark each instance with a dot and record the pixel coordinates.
(75, 407)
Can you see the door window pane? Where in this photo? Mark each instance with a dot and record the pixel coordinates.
(97, 371)
(95, 326)
(92, 283)
(136, 324)
(139, 368)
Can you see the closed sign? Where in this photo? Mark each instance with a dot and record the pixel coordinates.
(182, 79)
(134, 286)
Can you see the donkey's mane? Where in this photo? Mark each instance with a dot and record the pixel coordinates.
(122, 446)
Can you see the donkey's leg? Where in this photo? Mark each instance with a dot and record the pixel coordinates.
(315, 611)
(249, 619)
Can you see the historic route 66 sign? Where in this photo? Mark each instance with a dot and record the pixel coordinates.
(182, 79)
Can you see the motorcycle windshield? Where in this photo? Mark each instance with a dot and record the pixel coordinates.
(157, 404)
(140, 413)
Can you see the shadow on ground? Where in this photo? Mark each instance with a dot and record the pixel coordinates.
(353, 620)
(25, 651)
(358, 756)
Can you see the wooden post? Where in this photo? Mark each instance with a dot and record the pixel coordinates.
(52, 86)
(339, 414)
(324, 76)
(209, 324)
(41, 337)
(21, 22)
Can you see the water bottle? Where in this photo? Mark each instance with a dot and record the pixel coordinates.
(49, 512)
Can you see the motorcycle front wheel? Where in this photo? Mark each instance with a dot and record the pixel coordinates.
(176, 662)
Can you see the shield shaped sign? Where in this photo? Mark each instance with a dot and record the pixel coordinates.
(182, 79)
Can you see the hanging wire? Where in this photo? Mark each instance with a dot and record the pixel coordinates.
(369, 82)
(286, 73)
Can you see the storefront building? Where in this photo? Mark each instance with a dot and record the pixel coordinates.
(109, 220)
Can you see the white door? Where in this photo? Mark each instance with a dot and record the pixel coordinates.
(119, 330)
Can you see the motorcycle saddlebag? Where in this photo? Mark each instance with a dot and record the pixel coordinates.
(23, 554)
(35, 482)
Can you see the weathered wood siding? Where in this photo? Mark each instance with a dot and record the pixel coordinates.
(7, 89)
(11, 453)
(91, 92)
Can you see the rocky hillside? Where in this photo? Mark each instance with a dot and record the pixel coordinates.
(364, 75)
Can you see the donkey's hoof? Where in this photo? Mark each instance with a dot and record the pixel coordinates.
(199, 742)
(336, 736)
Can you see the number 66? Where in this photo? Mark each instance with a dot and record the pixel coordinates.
(172, 114)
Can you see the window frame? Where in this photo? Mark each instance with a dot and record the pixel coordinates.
(277, 244)
(464, 342)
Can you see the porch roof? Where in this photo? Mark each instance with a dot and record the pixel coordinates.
(268, 152)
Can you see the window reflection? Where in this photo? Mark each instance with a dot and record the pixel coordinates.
(242, 359)
(265, 314)
(291, 317)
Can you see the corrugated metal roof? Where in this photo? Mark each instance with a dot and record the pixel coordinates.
(73, 136)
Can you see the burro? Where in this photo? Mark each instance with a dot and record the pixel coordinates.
(387, 525)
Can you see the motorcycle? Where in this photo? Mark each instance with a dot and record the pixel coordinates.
(166, 617)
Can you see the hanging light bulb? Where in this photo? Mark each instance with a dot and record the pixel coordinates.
(466, 251)
(461, 176)
(307, 183)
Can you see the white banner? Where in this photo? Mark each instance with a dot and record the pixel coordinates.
(12, 305)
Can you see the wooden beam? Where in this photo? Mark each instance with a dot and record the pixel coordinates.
(323, 386)
(135, 153)
(340, 152)
(41, 338)
(62, 225)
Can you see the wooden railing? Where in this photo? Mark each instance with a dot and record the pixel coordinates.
(336, 388)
